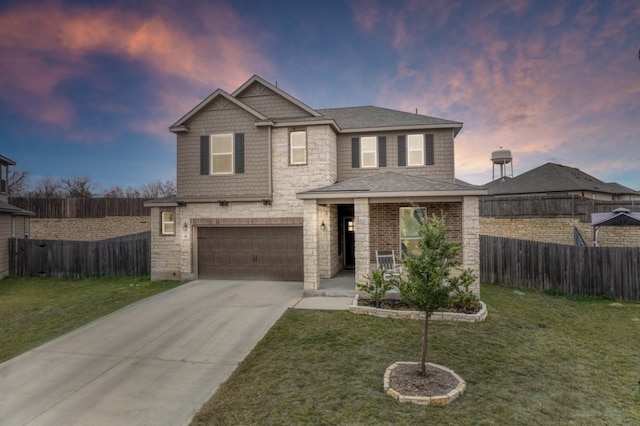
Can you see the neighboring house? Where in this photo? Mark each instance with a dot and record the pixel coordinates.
(270, 188)
(556, 179)
(14, 221)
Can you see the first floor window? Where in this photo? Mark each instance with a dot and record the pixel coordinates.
(411, 220)
(415, 150)
(222, 154)
(298, 144)
(168, 223)
(368, 151)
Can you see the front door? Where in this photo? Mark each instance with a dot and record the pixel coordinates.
(349, 243)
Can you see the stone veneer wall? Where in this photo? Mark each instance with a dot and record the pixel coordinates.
(471, 238)
(88, 229)
(559, 231)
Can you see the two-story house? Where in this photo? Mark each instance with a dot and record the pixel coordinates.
(270, 188)
(14, 221)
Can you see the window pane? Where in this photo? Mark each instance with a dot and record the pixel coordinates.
(222, 144)
(368, 144)
(368, 159)
(298, 156)
(415, 158)
(415, 141)
(410, 247)
(411, 219)
(298, 139)
(222, 164)
(169, 228)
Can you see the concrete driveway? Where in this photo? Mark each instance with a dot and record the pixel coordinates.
(153, 363)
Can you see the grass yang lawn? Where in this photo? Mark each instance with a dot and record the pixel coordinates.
(36, 310)
(538, 359)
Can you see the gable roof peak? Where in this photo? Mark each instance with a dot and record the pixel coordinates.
(179, 126)
(256, 78)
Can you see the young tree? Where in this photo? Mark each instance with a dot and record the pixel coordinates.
(429, 283)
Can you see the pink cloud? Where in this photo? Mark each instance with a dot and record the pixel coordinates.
(208, 49)
(543, 94)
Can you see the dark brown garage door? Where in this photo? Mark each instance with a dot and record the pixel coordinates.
(248, 253)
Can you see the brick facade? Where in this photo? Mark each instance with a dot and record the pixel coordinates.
(385, 224)
(559, 231)
(88, 229)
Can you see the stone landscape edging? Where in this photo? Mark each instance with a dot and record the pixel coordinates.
(415, 315)
(424, 400)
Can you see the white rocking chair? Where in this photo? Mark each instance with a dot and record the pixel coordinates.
(386, 261)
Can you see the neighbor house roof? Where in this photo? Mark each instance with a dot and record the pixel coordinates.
(17, 211)
(391, 184)
(550, 178)
(7, 160)
(618, 217)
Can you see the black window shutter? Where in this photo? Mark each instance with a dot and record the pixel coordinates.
(382, 151)
(239, 153)
(355, 153)
(204, 155)
(428, 150)
(402, 150)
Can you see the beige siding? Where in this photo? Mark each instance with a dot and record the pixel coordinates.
(442, 169)
(253, 182)
(270, 104)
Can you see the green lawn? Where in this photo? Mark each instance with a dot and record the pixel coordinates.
(538, 359)
(35, 310)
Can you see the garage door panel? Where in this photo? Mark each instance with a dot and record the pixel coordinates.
(255, 253)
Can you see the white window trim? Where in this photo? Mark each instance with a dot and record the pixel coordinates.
(410, 150)
(297, 148)
(212, 154)
(412, 238)
(363, 152)
(164, 230)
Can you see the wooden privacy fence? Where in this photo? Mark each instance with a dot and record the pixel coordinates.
(549, 206)
(123, 256)
(67, 208)
(586, 271)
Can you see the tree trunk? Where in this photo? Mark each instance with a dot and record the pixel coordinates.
(425, 341)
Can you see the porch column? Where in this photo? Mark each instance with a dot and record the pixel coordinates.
(361, 219)
(310, 244)
(471, 238)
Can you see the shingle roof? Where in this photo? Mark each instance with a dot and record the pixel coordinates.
(394, 183)
(551, 177)
(372, 117)
(8, 208)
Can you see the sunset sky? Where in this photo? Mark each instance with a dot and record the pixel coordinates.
(90, 88)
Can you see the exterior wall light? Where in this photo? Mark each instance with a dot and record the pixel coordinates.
(323, 226)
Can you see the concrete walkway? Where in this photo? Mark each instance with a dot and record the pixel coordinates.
(153, 363)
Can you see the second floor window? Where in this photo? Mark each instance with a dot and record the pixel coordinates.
(222, 154)
(415, 150)
(298, 147)
(368, 151)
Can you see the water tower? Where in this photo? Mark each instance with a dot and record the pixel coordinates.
(502, 158)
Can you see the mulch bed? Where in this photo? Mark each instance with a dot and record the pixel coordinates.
(400, 305)
(407, 380)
